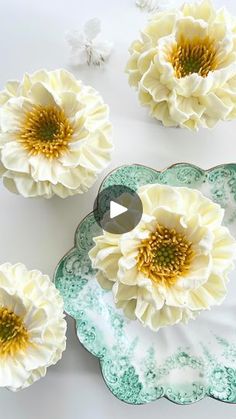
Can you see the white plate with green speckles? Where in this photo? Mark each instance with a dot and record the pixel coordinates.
(183, 363)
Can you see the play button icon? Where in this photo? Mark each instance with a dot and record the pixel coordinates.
(118, 209)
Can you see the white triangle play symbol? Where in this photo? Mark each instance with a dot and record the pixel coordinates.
(116, 209)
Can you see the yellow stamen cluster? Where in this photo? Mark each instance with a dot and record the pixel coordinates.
(13, 334)
(47, 131)
(195, 56)
(165, 256)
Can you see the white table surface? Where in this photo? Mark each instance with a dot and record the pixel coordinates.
(39, 232)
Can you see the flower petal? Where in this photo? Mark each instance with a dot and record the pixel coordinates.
(15, 158)
(92, 28)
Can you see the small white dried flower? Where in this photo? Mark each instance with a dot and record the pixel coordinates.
(148, 5)
(86, 47)
(154, 5)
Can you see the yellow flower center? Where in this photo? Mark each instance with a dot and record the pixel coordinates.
(47, 131)
(164, 256)
(13, 334)
(195, 56)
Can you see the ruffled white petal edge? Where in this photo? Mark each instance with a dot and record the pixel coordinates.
(32, 296)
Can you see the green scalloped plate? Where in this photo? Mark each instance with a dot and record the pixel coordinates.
(183, 363)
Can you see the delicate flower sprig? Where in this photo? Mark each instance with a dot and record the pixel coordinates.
(86, 47)
(153, 5)
(148, 5)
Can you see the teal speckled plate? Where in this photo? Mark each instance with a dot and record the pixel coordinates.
(183, 363)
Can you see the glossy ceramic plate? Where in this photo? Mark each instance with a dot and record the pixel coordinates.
(183, 363)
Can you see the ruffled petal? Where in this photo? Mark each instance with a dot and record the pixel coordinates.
(15, 158)
(163, 196)
(40, 95)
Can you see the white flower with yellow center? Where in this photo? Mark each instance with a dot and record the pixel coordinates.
(174, 264)
(184, 66)
(32, 326)
(55, 135)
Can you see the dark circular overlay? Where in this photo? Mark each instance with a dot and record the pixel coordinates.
(122, 195)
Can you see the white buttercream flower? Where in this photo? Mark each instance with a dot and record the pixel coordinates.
(174, 264)
(55, 135)
(86, 47)
(184, 66)
(32, 326)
